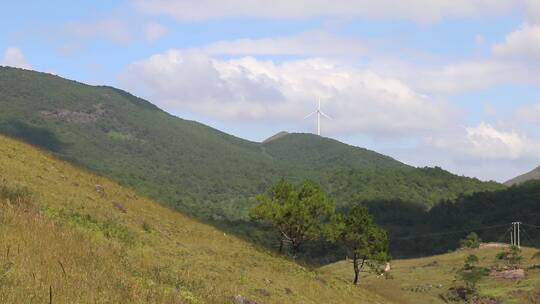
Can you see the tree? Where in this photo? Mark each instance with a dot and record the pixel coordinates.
(472, 240)
(365, 241)
(470, 273)
(298, 213)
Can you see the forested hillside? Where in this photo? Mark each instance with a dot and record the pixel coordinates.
(416, 231)
(192, 167)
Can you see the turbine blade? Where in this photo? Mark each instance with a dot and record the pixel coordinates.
(310, 114)
(322, 113)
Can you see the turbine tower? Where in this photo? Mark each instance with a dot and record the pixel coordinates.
(319, 113)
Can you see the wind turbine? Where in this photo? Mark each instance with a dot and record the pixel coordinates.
(319, 113)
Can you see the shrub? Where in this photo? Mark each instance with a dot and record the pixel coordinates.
(470, 273)
(512, 256)
(471, 261)
(472, 240)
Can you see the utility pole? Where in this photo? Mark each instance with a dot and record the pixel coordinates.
(515, 235)
(512, 235)
(518, 236)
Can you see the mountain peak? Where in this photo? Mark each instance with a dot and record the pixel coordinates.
(276, 136)
(534, 174)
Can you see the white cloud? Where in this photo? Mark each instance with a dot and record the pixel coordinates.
(14, 57)
(309, 43)
(486, 142)
(154, 31)
(464, 76)
(251, 89)
(419, 10)
(461, 76)
(112, 29)
(523, 43)
(532, 10)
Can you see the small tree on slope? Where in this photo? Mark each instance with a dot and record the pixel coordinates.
(299, 214)
(365, 241)
(470, 273)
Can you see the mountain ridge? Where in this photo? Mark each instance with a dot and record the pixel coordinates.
(531, 175)
(194, 168)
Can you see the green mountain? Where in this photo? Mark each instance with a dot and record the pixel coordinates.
(532, 175)
(192, 167)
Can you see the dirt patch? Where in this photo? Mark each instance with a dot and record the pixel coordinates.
(76, 116)
(493, 245)
(510, 274)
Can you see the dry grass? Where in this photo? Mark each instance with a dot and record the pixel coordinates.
(421, 281)
(40, 257)
(91, 241)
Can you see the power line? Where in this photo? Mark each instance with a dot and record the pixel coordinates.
(450, 232)
(528, 237)
(534, 226)
(504, 235)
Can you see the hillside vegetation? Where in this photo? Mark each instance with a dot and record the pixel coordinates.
(424, 280)
(70, 236)
(487, 213)
(192, 167)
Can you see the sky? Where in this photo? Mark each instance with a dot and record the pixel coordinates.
(449, 83)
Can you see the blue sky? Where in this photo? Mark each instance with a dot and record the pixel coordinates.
(453, 83)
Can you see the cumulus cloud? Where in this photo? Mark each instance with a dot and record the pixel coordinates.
(489, 143)
(419, 10)
(14, 57)
(154, 31)
(251, 89)
(111, 29)
(523, 43)
(318, 43)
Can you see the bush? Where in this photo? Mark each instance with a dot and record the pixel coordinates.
(471, 241)
(470, 273)
(512, 256)
(471, 261)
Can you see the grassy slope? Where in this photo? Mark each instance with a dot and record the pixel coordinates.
(190, 166)
(532, 175)
(77, 244)
(418, 274)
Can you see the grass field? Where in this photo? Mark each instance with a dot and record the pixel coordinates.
(70, 236)
(421, 281)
